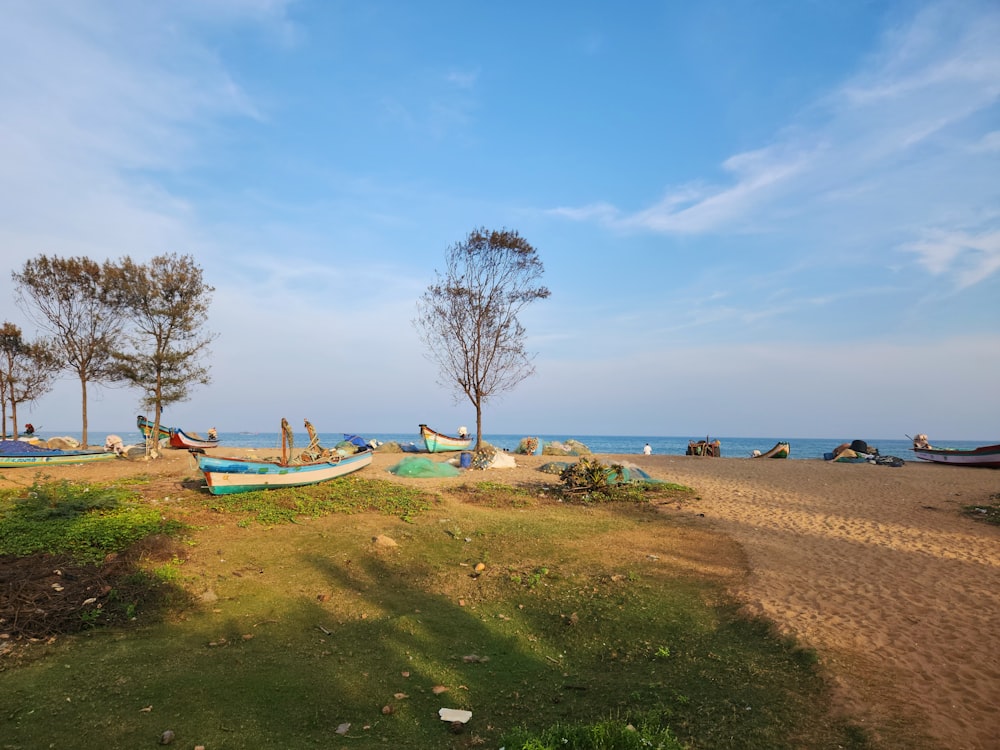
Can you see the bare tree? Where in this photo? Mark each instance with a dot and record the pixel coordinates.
(26, 372)
(468, 318)
(70, 298)
(166, 303)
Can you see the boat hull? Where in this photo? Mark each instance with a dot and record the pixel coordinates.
(181, 439)
(146, 428)
(436, 442)
(780, 450)
(711, 449)
(227, 476)
(54, 458)
(987, 456)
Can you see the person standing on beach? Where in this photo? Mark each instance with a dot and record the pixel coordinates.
(647, 450)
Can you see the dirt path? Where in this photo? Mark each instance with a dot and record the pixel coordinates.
(876, 569)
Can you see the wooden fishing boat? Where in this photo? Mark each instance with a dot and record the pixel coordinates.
(227, 476)
(780, 450)
(704, 448)
(21, 454)
(146, 428)
(191, 440)
(437, 442)
(986, 456)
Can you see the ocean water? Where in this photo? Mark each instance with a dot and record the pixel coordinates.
(732, 447)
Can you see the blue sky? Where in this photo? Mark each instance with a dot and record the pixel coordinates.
(756, 219)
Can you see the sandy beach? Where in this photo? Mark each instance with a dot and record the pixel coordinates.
(872, 566)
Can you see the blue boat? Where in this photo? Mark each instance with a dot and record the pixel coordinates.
(227, 476)
(21, 454)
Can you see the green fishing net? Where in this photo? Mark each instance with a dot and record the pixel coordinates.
(423, 468)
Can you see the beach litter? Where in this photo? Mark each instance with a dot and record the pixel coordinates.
(455, 717)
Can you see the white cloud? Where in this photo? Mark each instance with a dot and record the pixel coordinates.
(968, 258)
(691, 209)
(906, 143)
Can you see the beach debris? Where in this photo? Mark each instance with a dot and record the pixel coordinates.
(455, 716)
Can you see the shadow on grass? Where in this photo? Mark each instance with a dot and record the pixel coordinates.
(381, 640)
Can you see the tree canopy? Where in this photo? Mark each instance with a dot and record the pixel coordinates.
(140, 324)
(26, 372)
(165, 303)
(469, 320)
(74, 301)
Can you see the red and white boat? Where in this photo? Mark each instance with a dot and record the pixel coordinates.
(191, 440)
(987, 456)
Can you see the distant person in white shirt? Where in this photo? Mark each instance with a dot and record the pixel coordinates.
(647, 450)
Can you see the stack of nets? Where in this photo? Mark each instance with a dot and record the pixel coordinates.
(570, 448)
(483, 456)
(527, 446)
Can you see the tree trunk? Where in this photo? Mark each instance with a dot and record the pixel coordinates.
(83, 389)
(153, 444)
(479, 425)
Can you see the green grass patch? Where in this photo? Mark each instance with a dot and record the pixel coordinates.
(85, 521)
(348, 495)
(556, 625)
